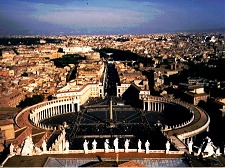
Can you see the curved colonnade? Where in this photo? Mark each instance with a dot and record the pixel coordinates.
(198, 123)
(191, 127)
(48, 109)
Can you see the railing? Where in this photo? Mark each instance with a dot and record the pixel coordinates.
(6, 159)
(180, 125)
(110, 151)
(202, 128)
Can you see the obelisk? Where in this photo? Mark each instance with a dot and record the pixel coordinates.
(111, 122)
(110, 110)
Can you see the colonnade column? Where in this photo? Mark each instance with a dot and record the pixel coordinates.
(78, 106)
(60, 112)
(37, 118)
(143, 105)
(162, 107)
(47, 113)
(52, 109)
(50, 112)
(73, 110)
(57, 110)
(70, 107)
(65, 108)
(150, 106)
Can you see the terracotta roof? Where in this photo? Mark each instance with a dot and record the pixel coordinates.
(6, 122)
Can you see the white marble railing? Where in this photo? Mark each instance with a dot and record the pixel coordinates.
(23, 111)
(6, 159)
(111, 151)
(180, 125)
(196, 131)
(176, 152)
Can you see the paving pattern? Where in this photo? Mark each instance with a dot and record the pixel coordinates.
(149, 162)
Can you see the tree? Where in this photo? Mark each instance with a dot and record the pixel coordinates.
(60, 50)
(29, 101)
(67, 59)
(25, 74)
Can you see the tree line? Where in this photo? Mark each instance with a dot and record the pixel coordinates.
(29, 101)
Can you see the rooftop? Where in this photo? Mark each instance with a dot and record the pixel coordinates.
(73, 159)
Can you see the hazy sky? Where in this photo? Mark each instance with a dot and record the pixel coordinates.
(54, 17)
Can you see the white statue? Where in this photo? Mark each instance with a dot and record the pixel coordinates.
(67, 146)
(199, 150)
(115, 143)
(208, 139)
(18, 150)
(139, 146)
(147, 144)
(126, 145)
(28, 147)
(44, 146)
(53, 146)
(94, 145)
(206, 148)
(85, 145)
(37, 150)
(63, 132)
(106, 145)
(65, 125)
(167, 146)
(11, 148)
(218, 151)
(209, 148)
(190, 144)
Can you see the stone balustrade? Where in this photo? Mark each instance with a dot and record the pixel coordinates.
(60, 142)
(111, 151)
(196, 131)
(179, 125)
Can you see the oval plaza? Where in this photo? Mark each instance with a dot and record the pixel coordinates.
(87, 114)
